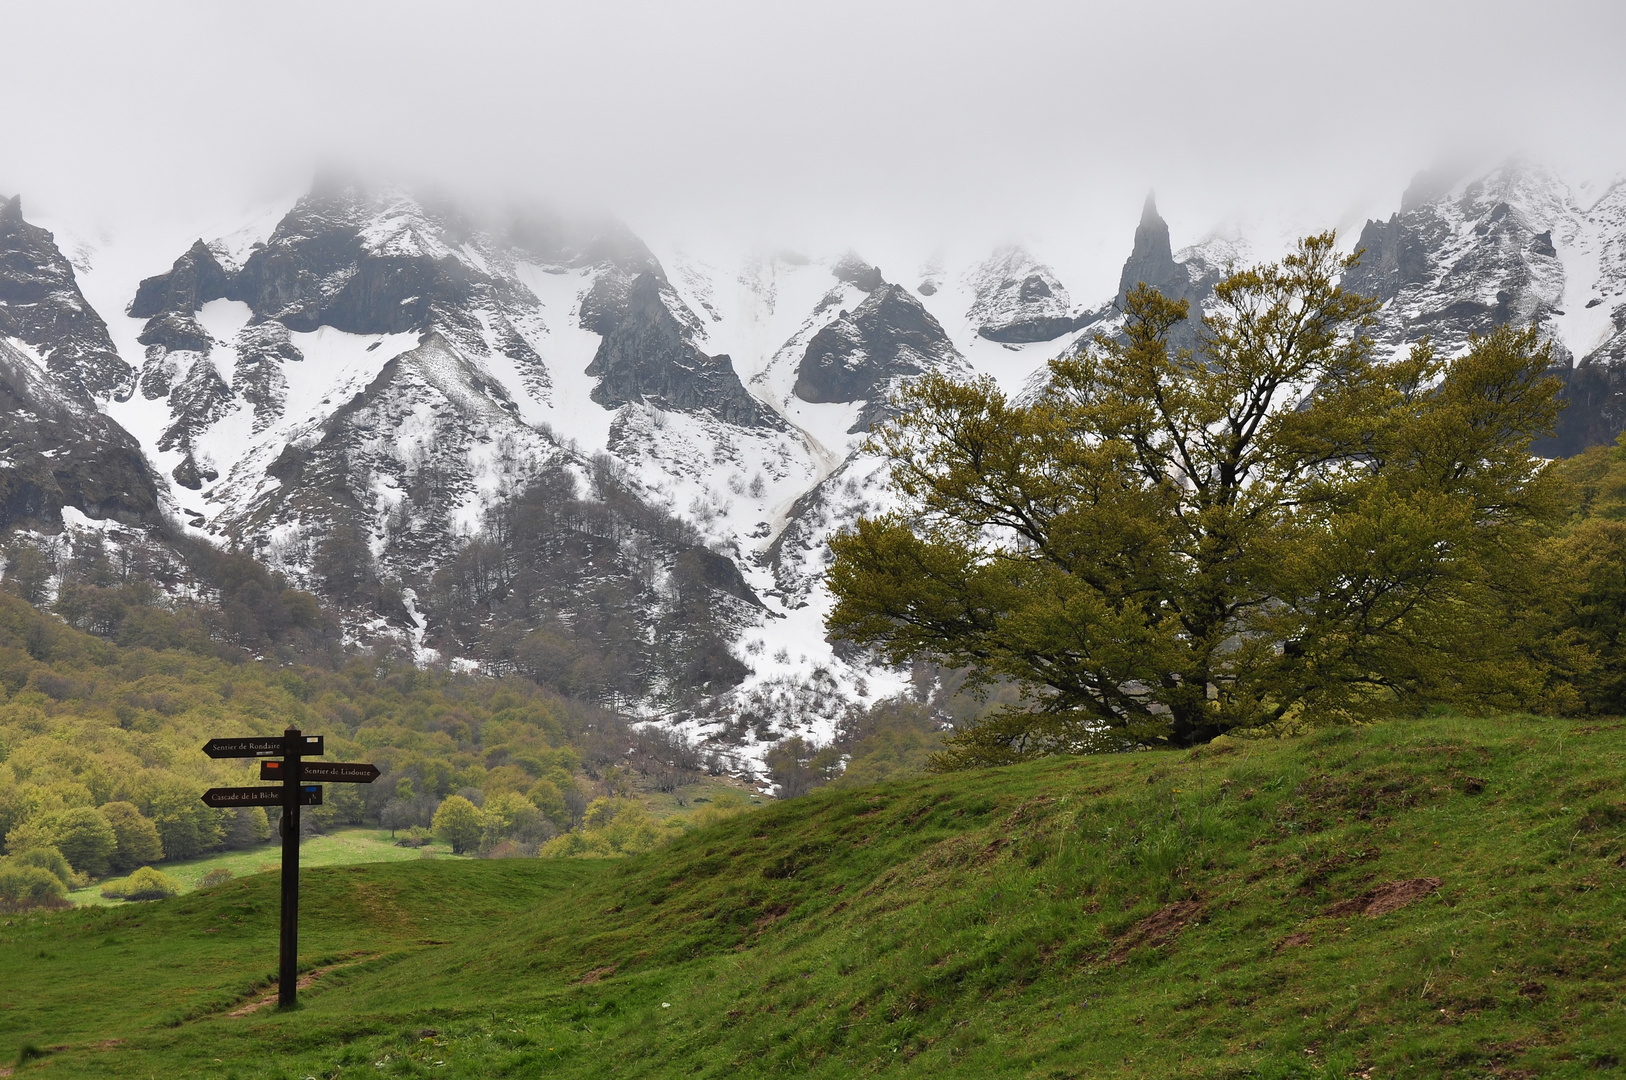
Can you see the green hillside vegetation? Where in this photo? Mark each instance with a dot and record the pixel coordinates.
(1436, 897)
(101, 747)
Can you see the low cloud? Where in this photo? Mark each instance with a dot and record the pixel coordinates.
(809, 123)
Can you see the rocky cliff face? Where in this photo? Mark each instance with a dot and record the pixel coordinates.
(57, 450)
(1151, 262)
(1516, 245)
(41, 305)
(1478, 256)
(648, 356)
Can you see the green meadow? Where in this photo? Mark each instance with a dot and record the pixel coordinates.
(341, 847)
(1438, 897)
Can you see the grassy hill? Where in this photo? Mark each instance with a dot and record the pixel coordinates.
(1440, 897)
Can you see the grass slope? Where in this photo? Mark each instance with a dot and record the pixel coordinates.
(1160, 914)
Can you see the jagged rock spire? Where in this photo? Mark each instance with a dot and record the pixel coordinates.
(11, 209)
(1152, 259)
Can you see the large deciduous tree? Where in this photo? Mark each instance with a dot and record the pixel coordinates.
(1164, 545)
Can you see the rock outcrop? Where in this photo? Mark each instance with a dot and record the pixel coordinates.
(860, 355)
(857, 273)
(195, 279)
(1464, 257)
(58, 450)
(647, 356)
(1151, 262)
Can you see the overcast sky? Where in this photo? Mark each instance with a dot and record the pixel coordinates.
(796, 121)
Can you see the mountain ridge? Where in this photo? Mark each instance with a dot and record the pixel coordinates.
(394, 367)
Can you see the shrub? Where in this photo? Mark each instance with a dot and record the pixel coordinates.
(728, 804)
(145, 884)
(49, 859)
(611, 828)
(218, 876)
(23, 886)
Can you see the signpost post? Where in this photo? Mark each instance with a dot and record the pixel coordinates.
(296, 791)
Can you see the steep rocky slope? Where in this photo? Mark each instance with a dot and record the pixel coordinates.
(1019, 299)
(58, 451)
(41, 306)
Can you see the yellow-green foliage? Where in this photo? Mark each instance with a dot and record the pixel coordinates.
(137, 841)
(458, 822)
(39, 877)
(1588, 597)
(23, 886)
(613, 827)
(48, 859)
(144, 884)
(616, 827)
(721, 808)
(86, 724)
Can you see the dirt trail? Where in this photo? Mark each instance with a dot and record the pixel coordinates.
(304, 982)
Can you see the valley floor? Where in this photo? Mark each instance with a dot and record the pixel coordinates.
(1438, 897)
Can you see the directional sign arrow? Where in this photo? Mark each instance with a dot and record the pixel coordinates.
(310, 795)
(274, 746)
(331, 772)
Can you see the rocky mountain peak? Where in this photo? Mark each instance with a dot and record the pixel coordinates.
(856, 272)
(1457, 261)
(195, 279)
(1429, 185)
(41, 305)
(1016, 299)
(859, 355)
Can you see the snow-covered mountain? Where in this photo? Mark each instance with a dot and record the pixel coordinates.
(1519, 245)
(537, 438)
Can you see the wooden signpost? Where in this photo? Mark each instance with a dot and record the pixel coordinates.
(295, 791)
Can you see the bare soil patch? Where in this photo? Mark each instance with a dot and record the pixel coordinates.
(1386, 898)
(1156, 928)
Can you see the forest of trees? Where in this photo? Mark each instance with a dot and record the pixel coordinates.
(604, 598)
(101, 744)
